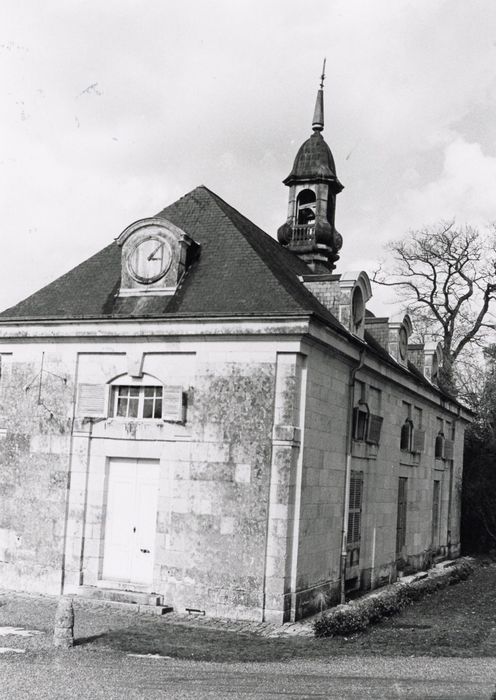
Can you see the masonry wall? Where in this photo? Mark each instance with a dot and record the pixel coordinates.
(36, 392)
(382, 467)
(324, 458)
(214, 478)
(251, 486)
(322, 493)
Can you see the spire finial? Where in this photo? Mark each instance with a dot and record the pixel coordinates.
(318, 115)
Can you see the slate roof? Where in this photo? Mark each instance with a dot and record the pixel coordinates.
(240, 271)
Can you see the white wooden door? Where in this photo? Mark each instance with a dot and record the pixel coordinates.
(131, 520)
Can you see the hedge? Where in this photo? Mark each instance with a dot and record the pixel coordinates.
(354, 617)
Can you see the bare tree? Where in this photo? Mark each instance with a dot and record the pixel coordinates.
(446, 276)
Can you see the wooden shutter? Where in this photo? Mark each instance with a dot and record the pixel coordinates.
(418, 440)
(355, 508)
(401, 515)
(172, 408)
(449, 446)
(92, 400)
(374, 429)
(435, 512)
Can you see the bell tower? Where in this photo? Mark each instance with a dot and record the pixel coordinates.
(309, 230)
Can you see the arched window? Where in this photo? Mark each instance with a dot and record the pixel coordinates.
(305, 207)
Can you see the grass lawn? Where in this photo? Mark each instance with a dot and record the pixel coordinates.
(455, 621)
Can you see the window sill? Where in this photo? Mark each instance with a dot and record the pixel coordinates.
(410, 459)
(364, 450)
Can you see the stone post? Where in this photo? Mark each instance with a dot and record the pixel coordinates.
(64, 624)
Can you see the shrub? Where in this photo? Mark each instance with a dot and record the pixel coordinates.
(341, 621)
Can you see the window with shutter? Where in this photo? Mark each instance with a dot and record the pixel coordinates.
(435, 512)
(374, 429)
(418, 440)
(360, 421)
(401, 515)
(406, 436)
(449, 446)
(91, 401)
(439, 446)
(148, 402)
(355, 509)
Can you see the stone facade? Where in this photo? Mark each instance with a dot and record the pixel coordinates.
(251, 486)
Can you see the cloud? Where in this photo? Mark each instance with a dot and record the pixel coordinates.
(464, 190)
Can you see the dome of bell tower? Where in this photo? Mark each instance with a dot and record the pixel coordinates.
(314, 161)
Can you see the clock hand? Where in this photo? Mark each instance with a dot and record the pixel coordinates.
(152, 255)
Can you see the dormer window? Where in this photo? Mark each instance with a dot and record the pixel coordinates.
(357, 311)
(435, 370)
(403, 343)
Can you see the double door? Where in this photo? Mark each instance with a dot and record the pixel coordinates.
(130, 520)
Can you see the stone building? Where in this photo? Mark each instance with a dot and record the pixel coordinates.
(202, 416)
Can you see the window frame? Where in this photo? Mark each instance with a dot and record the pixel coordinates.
(140, 390)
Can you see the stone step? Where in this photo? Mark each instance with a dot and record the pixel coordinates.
(118, 596)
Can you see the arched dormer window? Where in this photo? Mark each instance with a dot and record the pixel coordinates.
(357, 311)
(435, 370)
(305, 207)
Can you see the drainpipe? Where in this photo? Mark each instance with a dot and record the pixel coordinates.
(346, 495)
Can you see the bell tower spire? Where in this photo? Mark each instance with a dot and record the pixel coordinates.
(318, 115)
(309, 230)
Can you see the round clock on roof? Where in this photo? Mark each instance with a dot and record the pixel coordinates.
(149, 259)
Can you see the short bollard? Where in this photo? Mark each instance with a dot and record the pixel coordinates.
(63, 635)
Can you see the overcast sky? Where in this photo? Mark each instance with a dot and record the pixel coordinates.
(111, 110)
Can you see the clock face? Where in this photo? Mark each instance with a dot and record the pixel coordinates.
(150, 259)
